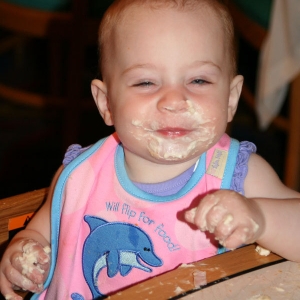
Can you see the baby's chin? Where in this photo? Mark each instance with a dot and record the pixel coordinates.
(176, 151)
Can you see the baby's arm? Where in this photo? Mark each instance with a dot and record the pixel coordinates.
(280, 207)
(26, 261)
(270, 215)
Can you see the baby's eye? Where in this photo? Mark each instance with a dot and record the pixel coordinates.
(144, 83)
(199, 81)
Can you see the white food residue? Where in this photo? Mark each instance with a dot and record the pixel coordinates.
(228, 219)
(178, 290)
(186, 266)
(262, 251)
(47, 249)
(199, 278)
(260, 297)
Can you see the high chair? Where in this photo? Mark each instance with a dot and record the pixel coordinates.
(67, 26)
(254, 33)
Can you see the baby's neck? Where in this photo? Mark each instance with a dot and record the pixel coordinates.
(144, 171)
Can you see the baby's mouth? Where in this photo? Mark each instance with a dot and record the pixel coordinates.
(171, 132)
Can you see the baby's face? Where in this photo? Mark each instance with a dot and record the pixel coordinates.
(168, 83)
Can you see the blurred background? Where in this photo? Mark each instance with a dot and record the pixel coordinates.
(48, 57)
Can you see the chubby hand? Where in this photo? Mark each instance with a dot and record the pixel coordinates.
(234, 219)
(24, 266)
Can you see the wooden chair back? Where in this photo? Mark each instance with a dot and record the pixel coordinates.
(254, 34)
(68, 34)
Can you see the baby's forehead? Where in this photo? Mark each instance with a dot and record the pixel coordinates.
(133, 14)
(136, 14)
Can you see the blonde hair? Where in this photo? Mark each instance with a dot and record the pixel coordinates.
(117, 11)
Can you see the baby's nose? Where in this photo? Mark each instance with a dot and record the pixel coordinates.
(173, 100)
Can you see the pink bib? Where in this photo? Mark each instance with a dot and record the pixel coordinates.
(112, 235)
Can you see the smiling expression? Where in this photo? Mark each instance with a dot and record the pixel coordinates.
(168, 83)
(178, 138)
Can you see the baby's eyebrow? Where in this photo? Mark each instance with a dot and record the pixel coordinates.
(138, 66)
(199, 63)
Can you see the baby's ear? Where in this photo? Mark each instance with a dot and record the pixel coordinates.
(99, 92)
(234, 96)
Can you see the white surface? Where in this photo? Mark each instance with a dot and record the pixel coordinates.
(279, 59)
(277, 282)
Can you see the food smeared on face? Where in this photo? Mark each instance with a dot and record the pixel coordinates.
(178, 136)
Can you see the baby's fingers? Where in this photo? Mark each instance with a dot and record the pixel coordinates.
(33, 262)
(30, 269)
(236, 239)
(7, 291)
(20, 281)
(233, 235)
(198, 215)
(44, 256)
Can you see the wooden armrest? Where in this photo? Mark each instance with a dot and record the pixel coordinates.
(18, 205)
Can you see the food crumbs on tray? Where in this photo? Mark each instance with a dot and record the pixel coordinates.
(260, 297)
(185, 281)
(262, 251)
(186, 266)
(178, 290)
(199, 278)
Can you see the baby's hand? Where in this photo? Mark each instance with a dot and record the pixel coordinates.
(25, 266)
(234, 219)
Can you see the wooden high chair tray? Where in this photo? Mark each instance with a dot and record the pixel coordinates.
(179, 283)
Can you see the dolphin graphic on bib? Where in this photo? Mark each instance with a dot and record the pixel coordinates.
(117, 246)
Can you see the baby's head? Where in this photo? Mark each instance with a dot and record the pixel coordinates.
(116, 13)
(168, 69)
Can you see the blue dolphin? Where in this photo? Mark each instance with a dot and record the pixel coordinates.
(117, 246)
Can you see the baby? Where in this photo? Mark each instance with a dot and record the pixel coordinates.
(169, 187)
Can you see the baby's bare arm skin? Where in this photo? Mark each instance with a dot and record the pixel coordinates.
(269, 214)
(26, 261)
